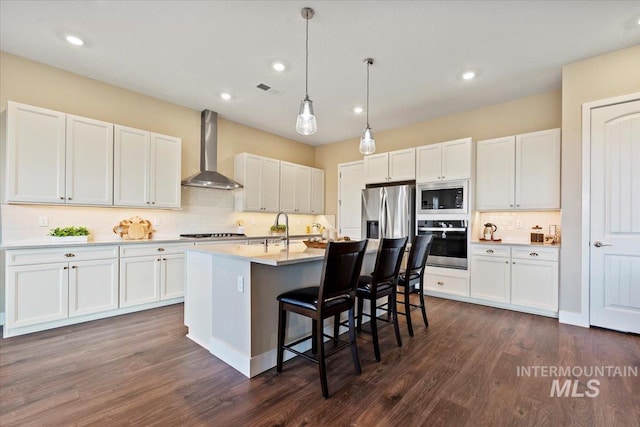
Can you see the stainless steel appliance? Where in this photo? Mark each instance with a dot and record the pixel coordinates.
(449, 246)
(443, 197)
(388, 211)
(214, 236)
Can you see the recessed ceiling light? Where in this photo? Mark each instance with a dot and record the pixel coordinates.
(358, 110)
(74, 40)
(226, 96)
(468, 75)
(278, 66)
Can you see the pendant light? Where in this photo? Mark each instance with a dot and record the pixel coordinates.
(367, 143)
(306, 123)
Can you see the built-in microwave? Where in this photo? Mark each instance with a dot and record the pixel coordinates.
(442, 197)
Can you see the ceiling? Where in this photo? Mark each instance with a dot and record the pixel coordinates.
(188, 52)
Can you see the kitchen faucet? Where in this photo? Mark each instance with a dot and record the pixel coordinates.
(285, 239)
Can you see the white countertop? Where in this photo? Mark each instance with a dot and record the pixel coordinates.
(274, 255)
(515, 243)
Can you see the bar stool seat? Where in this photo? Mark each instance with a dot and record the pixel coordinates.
(336, 294)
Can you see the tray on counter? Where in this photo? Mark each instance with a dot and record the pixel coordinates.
(490, 240)
(319, 245)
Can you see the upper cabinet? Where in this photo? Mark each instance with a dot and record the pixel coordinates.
(519, 172)
(260, 177)
(445, 161)
(317, 191)
(146, 169)
(301, 189)
(53, 157)
(393, 166)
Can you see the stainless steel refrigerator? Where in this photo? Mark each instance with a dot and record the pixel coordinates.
(388, 211)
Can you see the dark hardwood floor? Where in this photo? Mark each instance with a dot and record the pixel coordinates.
(140, 369)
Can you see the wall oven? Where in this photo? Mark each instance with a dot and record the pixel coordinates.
(442, 197)
(449, 245)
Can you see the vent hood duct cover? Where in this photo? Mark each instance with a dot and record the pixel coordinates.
(208, 177)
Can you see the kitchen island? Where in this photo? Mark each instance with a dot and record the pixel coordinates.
(230, 299)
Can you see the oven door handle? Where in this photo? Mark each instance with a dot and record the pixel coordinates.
(440, 229)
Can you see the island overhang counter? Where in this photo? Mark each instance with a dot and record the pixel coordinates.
(230, 305)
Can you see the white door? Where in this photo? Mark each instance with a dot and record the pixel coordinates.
(165, 171)
(615, 217)
(350, 185)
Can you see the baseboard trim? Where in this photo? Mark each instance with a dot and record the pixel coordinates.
(2, 319)
(575, 319)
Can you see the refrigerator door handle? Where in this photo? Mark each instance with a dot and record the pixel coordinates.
(383, 214)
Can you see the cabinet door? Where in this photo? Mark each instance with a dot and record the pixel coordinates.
(164, 191)
(350, 185)
(37, 294)
(495, 173)
(537, 181)
(402, 165)
(303, 189)
(252, 182)
(535, 284)
(490, 278)
(428, 159)
(93, 286)
(376, 168)
(89, 157)
(172, 283)
(35, 154)
(456, 159)
(287, 187)
(317, 191)
(139, 280)
(270, 194)
(131, 167)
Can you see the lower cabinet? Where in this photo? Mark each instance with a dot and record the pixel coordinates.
(45, 285)
(521, 277)
(446, 281)
(150, 273)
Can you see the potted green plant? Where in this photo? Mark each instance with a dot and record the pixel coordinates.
(69, 234)
(278, 229)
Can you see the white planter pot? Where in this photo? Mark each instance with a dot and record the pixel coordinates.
(69, 239)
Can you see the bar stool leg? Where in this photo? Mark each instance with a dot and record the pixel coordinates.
(394, 313)
(282, 324)
(352, 340)
(374, 330)
(360, 305)
(407, 307)
(336, 328)
(423, 307)
(321, 363)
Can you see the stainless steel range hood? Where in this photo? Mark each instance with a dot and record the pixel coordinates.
(208, 177)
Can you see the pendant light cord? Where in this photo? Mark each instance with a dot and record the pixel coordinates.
(368, 64)
(306, 59)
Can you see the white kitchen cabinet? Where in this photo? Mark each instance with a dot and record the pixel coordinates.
(350, 186)
(519, 172)
(399, 165)
(446, 281)
(295, 188)
(146, 169)
(260, 178)
(521, 277)
(57, 158)
(45, 285)
(491, 274)
(444, 161)
(317, 191)
(150, 273)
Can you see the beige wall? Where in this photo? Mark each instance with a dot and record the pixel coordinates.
(33, 83)
(523, 115)
(613, 74)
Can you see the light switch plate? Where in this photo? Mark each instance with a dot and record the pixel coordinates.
(43, 221)
(240, 284)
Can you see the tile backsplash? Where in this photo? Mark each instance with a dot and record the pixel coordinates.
(516, 226)
(203, 210)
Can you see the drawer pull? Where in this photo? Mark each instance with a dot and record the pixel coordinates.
(164, 259)
(441, 283)
(160, 249)
(489, 251)
(534, 254)
(69, 255)
(74, 266)
(65, 268)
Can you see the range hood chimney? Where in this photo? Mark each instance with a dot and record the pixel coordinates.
(208, 177)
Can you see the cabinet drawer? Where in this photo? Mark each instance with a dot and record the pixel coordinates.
(533, 253)
(491, 250)
(447, 284)
(153, 249)
(58, 254)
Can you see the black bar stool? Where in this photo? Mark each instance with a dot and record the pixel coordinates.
(413, 274)
(382, 282)
(336, 294)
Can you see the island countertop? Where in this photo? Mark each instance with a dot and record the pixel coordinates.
(275, 255)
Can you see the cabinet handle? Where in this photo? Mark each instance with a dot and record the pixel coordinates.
(66, 268)
(160, 249)
(510, 206)
(74, 266)
(153, 203)
(534, 254)
(69, 198)
(164, 259)
(518, 205)
(489, 251)
(441, 283)
(513, 262)
(69, 255)
(443, 177)
(507, 262)
(61, 198)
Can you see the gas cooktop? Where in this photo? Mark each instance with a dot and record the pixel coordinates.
(212, 235)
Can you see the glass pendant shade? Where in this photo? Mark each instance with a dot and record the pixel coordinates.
(367, 143)
(306, 123)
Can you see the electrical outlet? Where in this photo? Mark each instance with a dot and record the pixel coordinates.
(518, 223)
(240, 284)
(156, 221)
(43, 221)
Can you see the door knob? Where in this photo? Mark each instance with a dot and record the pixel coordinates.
(599, 244)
